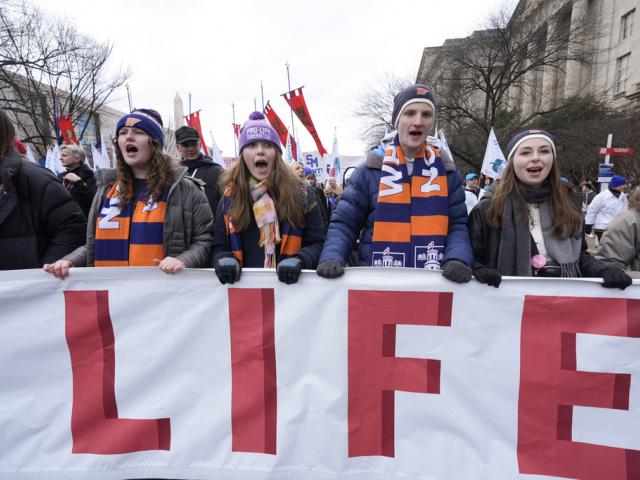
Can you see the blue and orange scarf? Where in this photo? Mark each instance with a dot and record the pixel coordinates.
(411, 220)
(272, 232)
(126, 239)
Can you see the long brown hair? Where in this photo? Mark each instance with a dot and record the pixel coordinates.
(161, 173)
(566, 219)
(285, 189)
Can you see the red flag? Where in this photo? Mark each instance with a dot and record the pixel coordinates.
(193, 120)
(65, 125)
(236, 129)
(298, 105)
(280, 129)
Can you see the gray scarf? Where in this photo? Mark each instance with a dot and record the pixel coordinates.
(515, 251)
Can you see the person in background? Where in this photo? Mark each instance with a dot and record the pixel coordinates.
(198, 164)
(310, 178)
(530, 225)
(606, 205)
(620, 243)
(39, 221)
(406, 205)
(471, 190)
(146, 212)
(268, 217)
(586, 196)
(79, 178)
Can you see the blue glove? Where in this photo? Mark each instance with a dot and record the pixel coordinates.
(488, 275)
(227, 269)
(330, 269)
(456, 271)
(289, 269)
(615, 278)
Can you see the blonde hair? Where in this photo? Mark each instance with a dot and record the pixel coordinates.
(76, 150)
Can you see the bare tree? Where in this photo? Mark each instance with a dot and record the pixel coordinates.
(504, 76)
(375, 106)
(48, 67)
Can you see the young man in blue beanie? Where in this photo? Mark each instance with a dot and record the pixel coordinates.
(407, 208)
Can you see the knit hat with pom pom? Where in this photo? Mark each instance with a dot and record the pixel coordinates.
(257, 129)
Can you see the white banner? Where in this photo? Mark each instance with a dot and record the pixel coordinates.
(132, 373)
(321, 165)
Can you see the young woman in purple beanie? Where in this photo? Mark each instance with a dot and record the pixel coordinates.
(268, 218)
(530, 226)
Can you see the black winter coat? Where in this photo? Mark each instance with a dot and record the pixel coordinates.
(39, 221)
(486, 243)
(203, 168)
(83, 190)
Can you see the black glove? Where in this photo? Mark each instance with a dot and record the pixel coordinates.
(227, 269)
(615, 278)
(456, 271)
(330, 269)
(289, 270)
(488, 275)
(588, 229)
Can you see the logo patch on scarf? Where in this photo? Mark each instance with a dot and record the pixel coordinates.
(387, 258)
(429, 257)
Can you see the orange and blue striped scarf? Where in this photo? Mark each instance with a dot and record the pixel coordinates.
(126, 239)
(271, 231)
(411, 220)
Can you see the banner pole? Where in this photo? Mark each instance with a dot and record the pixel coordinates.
(262, 94)
(235, 144)
(293, 128)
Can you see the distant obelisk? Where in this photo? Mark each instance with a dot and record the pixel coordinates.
(178, 111)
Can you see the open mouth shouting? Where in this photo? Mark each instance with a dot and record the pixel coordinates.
(131, 150)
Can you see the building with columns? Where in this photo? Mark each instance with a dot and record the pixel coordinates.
(611, 52)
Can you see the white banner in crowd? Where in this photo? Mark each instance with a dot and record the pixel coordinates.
(321, 165)
(132, 373)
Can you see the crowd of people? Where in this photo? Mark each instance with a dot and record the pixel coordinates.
(406, 206)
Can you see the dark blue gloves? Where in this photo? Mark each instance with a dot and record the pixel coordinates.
(615, 278)
(330, 269)
(488, 276)
(227, 269)
(289, 269)
(456, 271)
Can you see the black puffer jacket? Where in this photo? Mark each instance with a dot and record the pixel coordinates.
(486, 243)
(205, 169)
(39, 221)
(84, 189)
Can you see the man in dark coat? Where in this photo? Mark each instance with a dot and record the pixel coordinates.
(78, 178)
(198, 164)
(39, 221)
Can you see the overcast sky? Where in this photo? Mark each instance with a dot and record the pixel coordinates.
(221, 51)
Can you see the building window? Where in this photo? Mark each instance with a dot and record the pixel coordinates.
(626, 25)
(622, 73)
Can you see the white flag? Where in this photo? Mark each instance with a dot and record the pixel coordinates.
(300, 157)
(97, 158)
(288, 152)
(30, 155)
(494, 162)
(48, 162)
(104, 156)
(216, 154)
(334, 169)
(55, 160)
(444, 147)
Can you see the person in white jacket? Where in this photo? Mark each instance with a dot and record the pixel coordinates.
(606, 205)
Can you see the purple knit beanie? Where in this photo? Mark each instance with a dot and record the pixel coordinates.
(257, 129)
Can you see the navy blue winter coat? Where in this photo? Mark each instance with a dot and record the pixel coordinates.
(356, 209)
